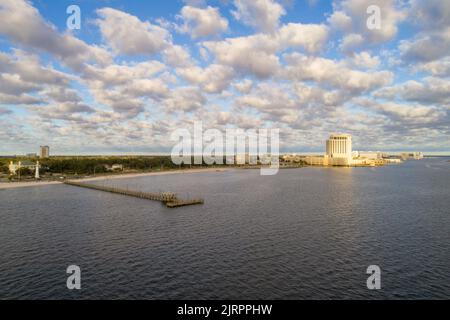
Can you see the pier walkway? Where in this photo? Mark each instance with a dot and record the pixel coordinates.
(168, 198)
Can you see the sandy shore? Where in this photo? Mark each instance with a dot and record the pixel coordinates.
(159, 173)
(11, 185)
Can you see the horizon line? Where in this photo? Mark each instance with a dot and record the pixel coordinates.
(113, 154)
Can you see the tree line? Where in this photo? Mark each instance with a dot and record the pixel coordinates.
(91, 165)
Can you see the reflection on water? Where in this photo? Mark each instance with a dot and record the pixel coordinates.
(304, 233)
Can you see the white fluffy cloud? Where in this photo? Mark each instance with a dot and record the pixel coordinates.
(430, 91)
(365, 60)
(213, 79)
(65, 111)
(244, 86)
(177, 56)
(126, 34)
(116, 74)
(185, 99)
(440, 68)
(351, 42)
(311, 37)
(335, 74)
(272, 102)
(350, 17)
(152, 88)
(258, 54)
(339, 20)
(263, 15)
(22, 23)
(22, 76)
(203, 22)
(254, 54)
(13, 85)
(426, 47)
(414, 114)
(22, 99)
(28, 67)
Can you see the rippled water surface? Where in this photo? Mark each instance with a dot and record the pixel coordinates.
(303, 234)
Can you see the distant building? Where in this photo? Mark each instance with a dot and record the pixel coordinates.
(114, 167)
(317, 160)
(31, 155)
(393, 160)
(412, 155)
(369, 155)
(294, 158)
(339, 153)
(44, 152)
(339, 149)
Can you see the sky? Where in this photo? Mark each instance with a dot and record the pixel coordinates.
(136, 71)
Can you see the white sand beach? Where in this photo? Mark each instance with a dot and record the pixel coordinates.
(12, 185)
(145, 174)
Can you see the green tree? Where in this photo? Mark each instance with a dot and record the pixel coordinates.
(4, 169)
(24, 172)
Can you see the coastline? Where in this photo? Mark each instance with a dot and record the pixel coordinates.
(13, 185)
(146, 174)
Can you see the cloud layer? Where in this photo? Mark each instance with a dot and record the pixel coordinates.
(124, 81)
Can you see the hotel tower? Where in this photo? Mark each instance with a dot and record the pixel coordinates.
(339, 149)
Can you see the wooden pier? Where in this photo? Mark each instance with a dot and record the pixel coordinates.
(168, 198)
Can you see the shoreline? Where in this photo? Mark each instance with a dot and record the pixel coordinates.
(13, 185)
(147, 174)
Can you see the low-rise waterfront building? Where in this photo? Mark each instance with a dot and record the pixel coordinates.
(369, 155)
(411, 155)
(114, 167)
(317, 160)
(293, 158)
(393, 160)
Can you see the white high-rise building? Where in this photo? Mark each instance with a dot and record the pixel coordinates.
(339, 149)
(45, 152)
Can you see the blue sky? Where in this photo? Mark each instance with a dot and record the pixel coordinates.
(138, 70)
